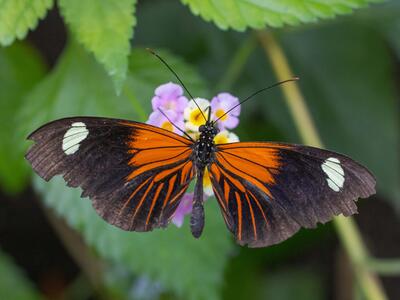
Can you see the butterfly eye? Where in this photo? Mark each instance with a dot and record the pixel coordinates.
(202, 128)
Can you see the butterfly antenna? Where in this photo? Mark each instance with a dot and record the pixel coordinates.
(256, 93)
(165, 115)
(177, 77)
(209, 113)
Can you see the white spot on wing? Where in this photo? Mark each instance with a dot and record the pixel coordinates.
(335, 172)
(332, 185)
(76, 134)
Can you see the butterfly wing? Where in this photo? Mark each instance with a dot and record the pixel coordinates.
(267, 191)
(134, 173)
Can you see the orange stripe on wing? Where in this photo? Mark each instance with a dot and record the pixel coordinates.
(246, 176)
(144, 157)
(234, 181)
(132, 195)
(259, 206)
(165, 173)
(215, 176)
(141, 201)
(253, 220)
(142, 130)
(154, 202)
(222, 204)
(255, 169)
(158, 164)
(227, 189)
(170, 188)
(253, 145)
(239, 216)
(185, 171)
(214, 170)
(219, 198)
(176, 197)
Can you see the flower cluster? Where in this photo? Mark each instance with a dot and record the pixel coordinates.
(172, 110)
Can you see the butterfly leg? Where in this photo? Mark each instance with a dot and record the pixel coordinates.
(197, 217)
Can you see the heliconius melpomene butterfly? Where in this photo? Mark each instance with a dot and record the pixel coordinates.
(136, 174)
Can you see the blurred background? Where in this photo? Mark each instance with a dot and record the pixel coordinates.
(52, 243)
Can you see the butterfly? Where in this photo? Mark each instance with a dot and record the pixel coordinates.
(136, 175)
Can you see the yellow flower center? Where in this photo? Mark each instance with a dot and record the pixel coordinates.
(168, 126)
(196, 117)
(206, 178)
(221, 139)
(219, 113)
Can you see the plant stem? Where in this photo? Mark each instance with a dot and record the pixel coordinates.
(90, 266)
(384, 266)
(236, 64)
(346, 228)
(135, 103)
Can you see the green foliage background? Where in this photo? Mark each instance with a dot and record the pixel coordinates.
(347, 75)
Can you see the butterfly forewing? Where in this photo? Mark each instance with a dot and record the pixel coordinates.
(267, 191)
(134, 173)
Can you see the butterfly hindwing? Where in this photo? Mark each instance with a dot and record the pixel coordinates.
(267, 191)
(134, 173)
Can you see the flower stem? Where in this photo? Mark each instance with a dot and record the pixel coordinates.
(346, 228)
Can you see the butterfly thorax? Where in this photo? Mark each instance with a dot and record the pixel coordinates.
(204, 146)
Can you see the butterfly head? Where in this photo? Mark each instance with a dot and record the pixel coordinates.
(208, 129)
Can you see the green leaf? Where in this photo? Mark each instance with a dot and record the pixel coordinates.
(241, 14)
(188, 267)
(104, 27)
(13, 284)
(20, 69)
(19, 16)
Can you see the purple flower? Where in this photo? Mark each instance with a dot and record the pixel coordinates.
(156, 118)
(184, 208)
(169, 96)
(220, 104)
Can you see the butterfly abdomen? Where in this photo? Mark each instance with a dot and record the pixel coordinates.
(197, 219)
(197, 216)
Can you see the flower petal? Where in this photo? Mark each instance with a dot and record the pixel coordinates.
(229, 123)
(192, 115)
(157, 102)
(225, 136)
(207, 185)
(169, 90)
(181, 103)
(221, 104)
(169, 96)
(157, 118)
(226, 101)
(184, 208)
